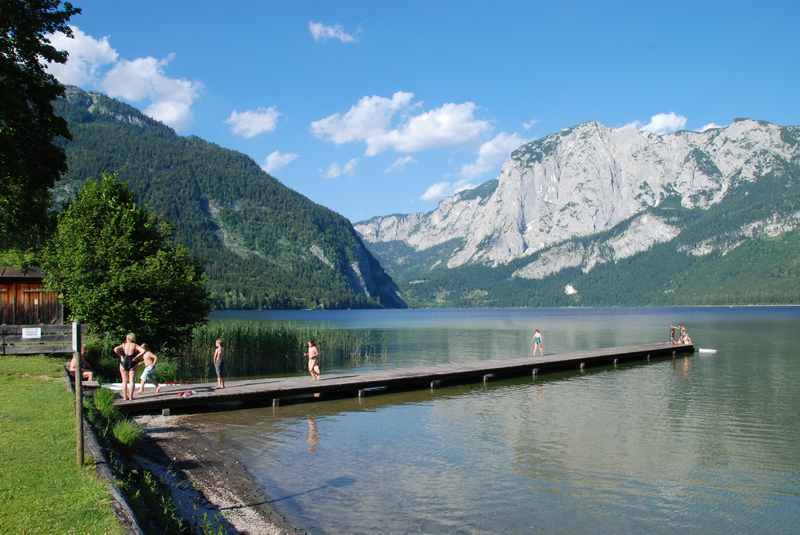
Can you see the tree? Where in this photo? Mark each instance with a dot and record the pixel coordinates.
(119, 270)
(30, 161)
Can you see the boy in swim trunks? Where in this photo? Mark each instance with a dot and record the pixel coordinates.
(219, 364)
(149, 373)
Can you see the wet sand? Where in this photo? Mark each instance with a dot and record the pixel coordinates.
(206, 481)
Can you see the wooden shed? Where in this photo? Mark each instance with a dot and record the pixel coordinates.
(24, 301)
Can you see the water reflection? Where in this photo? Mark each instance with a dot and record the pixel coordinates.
(698, 444)
(313, 435)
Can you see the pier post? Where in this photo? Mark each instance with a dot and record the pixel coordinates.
(362, 392)
(648, 357)
(76, 352)
(435, 384)
(276, 402)
(534, 372)
(487, 376)
(583, 365)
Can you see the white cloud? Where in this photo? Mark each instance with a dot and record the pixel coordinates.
(440, 190)
(86, 57)
(320, 32)
(139, 80)
(277, 160)
(436, 191)
(400, 163)
(450, 124)
(491, 154)
(710, 126)
(527, 125)
(369, 117)
(335, 170)
(250, 123)
(370, 121)
(143, 79)
(664, 123)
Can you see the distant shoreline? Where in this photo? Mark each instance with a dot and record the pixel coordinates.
(587, 307)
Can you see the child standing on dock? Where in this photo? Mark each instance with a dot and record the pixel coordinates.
(219, 364)
(149, 373)
(313, 360)
(538, 342)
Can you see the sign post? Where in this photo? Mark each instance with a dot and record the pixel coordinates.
(76, 354)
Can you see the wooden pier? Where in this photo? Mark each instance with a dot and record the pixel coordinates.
(274, 391)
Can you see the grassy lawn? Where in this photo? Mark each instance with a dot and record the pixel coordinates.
(41, 488)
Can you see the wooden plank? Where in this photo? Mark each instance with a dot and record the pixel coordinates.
(265, 391)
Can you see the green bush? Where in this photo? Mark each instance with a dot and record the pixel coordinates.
(104, 403)
(127, 433)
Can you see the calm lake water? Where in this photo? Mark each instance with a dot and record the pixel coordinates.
(703, 444)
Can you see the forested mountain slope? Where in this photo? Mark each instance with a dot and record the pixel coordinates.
(263, 244)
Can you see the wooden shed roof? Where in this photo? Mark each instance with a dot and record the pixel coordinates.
(32, 273)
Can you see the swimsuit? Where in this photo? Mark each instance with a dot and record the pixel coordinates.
(219, 367)
(127, 363)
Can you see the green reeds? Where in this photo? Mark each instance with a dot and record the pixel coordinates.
(255, 348)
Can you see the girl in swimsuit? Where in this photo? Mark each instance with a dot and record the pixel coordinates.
(538, 343)
(313, 360)
(128, 353)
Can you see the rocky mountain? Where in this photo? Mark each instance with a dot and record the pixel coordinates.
(593, 197)
(263, 244)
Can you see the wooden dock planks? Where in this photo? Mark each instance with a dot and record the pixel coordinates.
(272, 390)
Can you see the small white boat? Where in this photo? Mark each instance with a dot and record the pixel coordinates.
(706, 351)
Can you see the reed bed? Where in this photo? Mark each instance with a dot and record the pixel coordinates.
(254, 348)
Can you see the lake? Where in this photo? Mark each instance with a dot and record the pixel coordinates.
(702, 444)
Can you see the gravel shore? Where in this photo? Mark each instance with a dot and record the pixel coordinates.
(207, 482)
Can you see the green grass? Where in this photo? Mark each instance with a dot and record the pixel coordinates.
(41, 488)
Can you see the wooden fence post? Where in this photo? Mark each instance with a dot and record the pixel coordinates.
(76, 353)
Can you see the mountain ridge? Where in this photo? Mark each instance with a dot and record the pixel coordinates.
(263, 244)
(578, 185)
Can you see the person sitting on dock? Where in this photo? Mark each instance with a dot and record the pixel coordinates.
(685, 338)
(149, 373)
(673, 334)
(86, 369)
(538, 342)
(313, 360)
(128, 353)
(219, 363)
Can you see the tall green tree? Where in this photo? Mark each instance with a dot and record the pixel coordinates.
(119, 270)
(30, 161)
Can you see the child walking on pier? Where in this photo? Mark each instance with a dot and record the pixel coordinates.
(149, 373)
(313, 360)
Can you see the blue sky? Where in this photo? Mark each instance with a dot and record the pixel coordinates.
(372, 108)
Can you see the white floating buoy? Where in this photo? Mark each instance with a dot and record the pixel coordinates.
(707, 351)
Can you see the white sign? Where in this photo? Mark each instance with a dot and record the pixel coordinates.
(30, 333)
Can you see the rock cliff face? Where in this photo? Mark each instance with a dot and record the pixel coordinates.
(588, 181)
